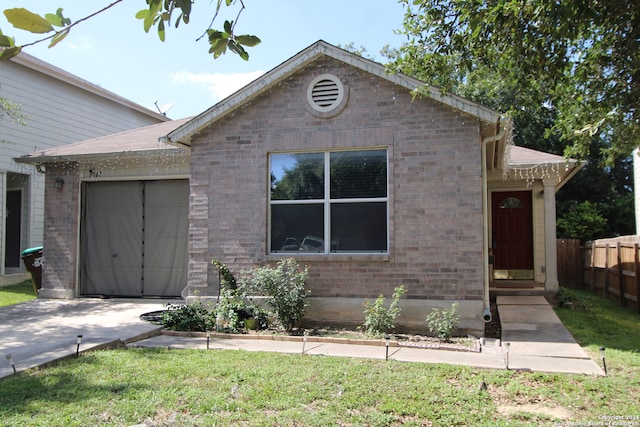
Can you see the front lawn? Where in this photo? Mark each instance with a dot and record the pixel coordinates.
(162, 387)
(15, 294)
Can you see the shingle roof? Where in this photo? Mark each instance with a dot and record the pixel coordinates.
(136, 141)
(521, 156)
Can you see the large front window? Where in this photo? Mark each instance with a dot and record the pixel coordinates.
(329, 202)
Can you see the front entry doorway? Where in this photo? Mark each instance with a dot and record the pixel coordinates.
(13, 229)
(512, 235)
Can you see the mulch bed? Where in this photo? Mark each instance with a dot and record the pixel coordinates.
(493, 329)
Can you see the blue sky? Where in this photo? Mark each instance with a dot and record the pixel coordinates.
(113, 51)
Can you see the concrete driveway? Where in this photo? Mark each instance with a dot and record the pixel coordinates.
(44, 330)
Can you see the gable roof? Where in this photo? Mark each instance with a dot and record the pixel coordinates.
(183, 134)
(139, 141)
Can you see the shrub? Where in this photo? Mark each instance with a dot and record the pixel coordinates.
(571, 300)
(230, 307)
(443, 322)
(188, 317)
(227, 279)
(285, 285)
(378, 319)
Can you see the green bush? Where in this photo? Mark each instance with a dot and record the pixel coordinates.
(442, 323)
(227, 279)
(285, 285)
(234, 307)
(188, 317)
(573, 301)
(380, 320)
(230, 307)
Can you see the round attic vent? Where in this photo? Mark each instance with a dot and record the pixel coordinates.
(326, 93)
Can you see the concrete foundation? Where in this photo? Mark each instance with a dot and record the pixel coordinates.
(56, 293)
(12, 279)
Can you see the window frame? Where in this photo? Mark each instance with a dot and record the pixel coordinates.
(327, 202)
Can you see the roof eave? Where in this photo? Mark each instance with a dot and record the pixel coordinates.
(79, 158)
(52, 71)
(572, 167)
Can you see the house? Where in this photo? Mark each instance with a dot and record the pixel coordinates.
(57, 108)
(328, 159)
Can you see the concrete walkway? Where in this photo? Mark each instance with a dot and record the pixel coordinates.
(537, 340)
(42, 331)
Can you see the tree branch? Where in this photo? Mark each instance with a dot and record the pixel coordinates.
(72, 25)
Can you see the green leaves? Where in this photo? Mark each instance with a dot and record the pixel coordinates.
(220, 41)
(160, 13)
(8, 49)
(24, 19)
(579, 59)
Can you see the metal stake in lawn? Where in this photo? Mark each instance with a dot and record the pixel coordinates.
(304, 341)
(78, 342)
(208, 338)
(386, 344)
(10, 359)
(604, 362)
(508, 345)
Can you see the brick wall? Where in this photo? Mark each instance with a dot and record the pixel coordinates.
(60, 231)
(435, 187)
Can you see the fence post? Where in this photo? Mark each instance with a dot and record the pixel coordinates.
(623, 301)
(636, 271)
(606, 271)
(593, 267)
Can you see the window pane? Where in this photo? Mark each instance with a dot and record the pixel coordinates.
(359, 227)
(296, 228)
(297, 176)
(511, 203)
(358, 174)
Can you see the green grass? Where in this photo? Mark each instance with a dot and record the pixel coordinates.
(597, 322)
(15, 294)
(227, 388)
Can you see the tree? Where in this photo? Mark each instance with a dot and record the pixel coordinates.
(523, 59)
(579, 58)
(160, 14)
(582, 221)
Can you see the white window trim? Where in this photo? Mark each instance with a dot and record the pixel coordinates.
(327, 202)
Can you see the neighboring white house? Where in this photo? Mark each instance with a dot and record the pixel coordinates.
(59, 108)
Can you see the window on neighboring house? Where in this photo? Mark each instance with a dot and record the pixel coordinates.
(329, 202)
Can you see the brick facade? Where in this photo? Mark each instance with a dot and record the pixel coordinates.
(60, 231)
(435, 189)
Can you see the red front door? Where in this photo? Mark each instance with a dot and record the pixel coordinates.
(512, 230)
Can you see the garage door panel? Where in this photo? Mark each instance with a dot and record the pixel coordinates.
(135, 238)
(166, 225)
(112, 242)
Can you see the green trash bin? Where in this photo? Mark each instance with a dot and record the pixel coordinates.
(33, 258)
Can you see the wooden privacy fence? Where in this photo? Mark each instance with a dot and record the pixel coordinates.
(570, 263)
(611, 268)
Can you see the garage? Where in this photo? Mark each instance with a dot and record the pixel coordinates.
(134, 238)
